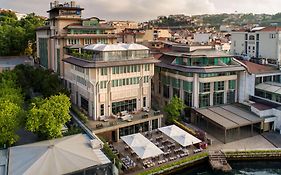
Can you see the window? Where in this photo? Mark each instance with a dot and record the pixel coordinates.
(204, 100)
(175, 82)
(219, 86)
(84, 103)
(81, 80)
(166, 91)
(272, 35)
(218, 98)
(258, 36)
(79, 69)
(278, 98)
(147, 67)
(267, 79)
(187, 98)
(102, 109)
(258, 80)
(87, 41)
(73, 41)
(187, 86)
(144, 101)
(126, 105)
(103, 84)
(204, 87)
(277, 78)
(251, 37)
(231, 96)
(231, 84)
(104, 71)
(145, 79)
(246, 36)
(176, 92)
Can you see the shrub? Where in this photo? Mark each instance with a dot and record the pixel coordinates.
(81, 115)
(182, 126)
(169, 166)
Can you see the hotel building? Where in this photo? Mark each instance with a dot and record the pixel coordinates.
(66, 29)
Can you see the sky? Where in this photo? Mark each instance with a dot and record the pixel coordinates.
(143, 10)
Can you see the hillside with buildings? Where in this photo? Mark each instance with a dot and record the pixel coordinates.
(237, 19)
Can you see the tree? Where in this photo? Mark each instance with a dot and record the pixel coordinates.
(47, 116)
(11, 102)
(9, 121)
(18, 37)
(173, 109)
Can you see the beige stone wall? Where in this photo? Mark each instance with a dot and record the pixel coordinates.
(106, 96)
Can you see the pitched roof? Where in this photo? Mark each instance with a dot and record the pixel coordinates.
(254, 68)
(59, 156)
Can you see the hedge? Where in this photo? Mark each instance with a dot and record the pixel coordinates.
(108, 152)
(80, 115)
(182, 126)
(178, 163)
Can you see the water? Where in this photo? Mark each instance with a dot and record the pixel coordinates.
(239, 168)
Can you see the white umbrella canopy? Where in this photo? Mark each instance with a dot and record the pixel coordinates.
(60, 156)
(141, 146)
(180, 136)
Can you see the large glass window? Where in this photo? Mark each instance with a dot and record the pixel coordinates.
(277, 78)
(127, 105)
(231, 84)
(187, 98)
(175, 82)
(102, 109)
(84, 103)
(154, 124)
(166, 91)
(258, 80)
(204, 87)
(218, 98)
(204, 100)
(176, 92)
(231, 96)
(187, 86)
(144, 101)
(267, 79)
(219, 86)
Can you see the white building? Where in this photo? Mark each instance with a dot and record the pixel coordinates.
(259, 42)
(201, 37)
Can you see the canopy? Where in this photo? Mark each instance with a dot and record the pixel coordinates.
(141, 146)
(180, 136)
(59, 156)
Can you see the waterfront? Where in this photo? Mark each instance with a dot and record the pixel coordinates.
(239, 168)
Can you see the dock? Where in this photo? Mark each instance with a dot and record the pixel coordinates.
(218, 162)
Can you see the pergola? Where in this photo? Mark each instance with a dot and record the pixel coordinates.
(227, 122)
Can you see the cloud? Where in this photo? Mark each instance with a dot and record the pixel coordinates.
(145, 9)
(141, 10)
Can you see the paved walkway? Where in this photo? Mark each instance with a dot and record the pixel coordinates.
(273, 137)
(255, 142)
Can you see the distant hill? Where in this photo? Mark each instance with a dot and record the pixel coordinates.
(217, 20)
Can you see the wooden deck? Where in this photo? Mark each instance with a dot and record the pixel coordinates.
(218, 161)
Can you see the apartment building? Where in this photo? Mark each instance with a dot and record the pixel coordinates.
(108, 79)
(65, 28)
(156, 34)
(261, 89)
(120, 26)
(258, 43)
